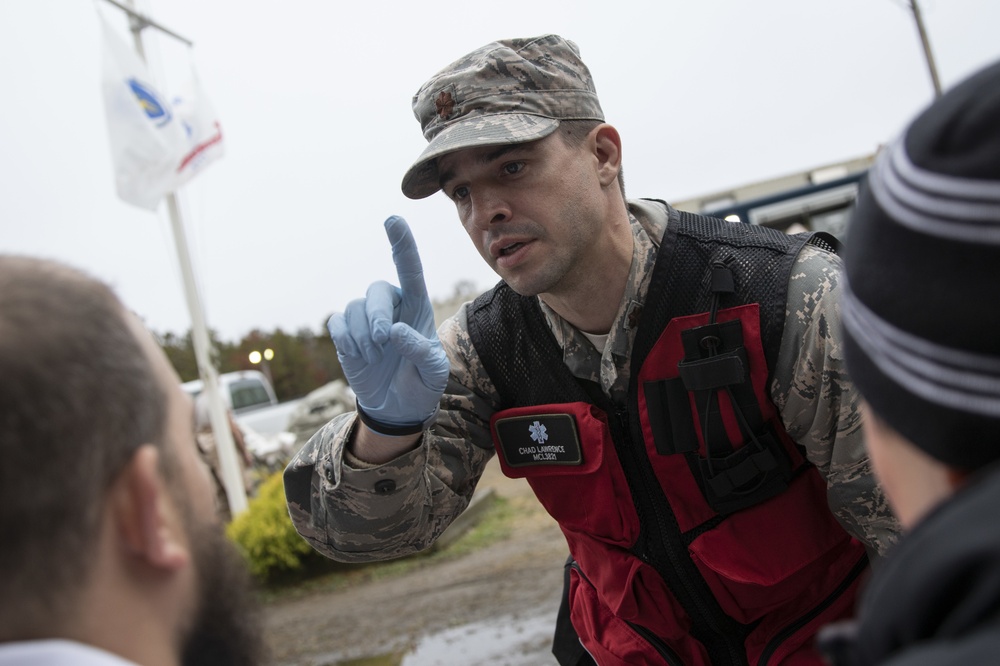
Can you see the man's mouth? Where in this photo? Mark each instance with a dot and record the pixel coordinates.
(510, 249)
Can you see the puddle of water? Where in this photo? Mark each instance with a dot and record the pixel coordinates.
(504, 641)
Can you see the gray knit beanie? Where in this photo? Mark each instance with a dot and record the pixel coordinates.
(922, 305)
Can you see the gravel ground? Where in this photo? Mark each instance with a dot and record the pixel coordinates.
(438, 614)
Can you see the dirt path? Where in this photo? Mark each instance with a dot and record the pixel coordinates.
(521, 575)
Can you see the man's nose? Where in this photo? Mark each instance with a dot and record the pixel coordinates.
(488, 208)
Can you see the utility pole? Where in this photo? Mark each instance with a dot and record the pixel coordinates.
(927, 47)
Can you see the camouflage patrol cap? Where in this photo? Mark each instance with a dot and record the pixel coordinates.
(509, 91)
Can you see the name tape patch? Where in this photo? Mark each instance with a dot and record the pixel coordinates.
(539, 439)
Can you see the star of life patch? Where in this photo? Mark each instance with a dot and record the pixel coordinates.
(538, 439)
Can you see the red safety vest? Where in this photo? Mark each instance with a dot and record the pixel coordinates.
(699, 532)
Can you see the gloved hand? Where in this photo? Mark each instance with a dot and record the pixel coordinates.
(388, 347)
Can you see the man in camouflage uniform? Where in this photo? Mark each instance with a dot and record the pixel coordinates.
(517, 140)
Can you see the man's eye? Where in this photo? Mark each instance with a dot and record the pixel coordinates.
(460, 193)
(512, 167)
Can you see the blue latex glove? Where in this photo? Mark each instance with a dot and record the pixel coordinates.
(387, 345)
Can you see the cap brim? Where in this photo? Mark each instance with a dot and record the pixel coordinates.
(422, 179)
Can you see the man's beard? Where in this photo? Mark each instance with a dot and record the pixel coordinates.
(227, 627)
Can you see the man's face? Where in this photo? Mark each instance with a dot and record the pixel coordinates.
(913, 482)
(535, 211)
(225, 627)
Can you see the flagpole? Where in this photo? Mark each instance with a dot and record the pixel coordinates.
(145, 21)
(232, 474)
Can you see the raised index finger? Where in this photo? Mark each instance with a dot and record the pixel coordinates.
(404, 254)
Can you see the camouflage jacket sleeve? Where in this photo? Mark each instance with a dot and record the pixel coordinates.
(819, 405)
(358, 512)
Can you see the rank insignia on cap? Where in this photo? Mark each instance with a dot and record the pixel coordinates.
(445, 103)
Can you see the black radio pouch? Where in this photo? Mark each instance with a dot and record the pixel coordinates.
(715, 363)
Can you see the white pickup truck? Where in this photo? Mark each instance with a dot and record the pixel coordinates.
(249, 395)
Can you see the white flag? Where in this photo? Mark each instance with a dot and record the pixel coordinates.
(201, 125)
(155, 146)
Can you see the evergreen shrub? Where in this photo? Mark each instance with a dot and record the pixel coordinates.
(266, 536)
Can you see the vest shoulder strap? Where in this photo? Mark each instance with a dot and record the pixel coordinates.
(518, 351)
(524, 361)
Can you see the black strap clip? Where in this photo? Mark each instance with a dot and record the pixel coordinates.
(749, 475)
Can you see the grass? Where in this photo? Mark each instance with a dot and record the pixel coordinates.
(495, 524)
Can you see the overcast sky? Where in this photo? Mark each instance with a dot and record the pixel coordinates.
(314, 98)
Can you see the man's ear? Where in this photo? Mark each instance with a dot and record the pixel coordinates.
(608, 149)
(147, 519)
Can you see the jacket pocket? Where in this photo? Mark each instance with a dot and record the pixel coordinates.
(610, 640)
(566, 453)
(764, 557)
